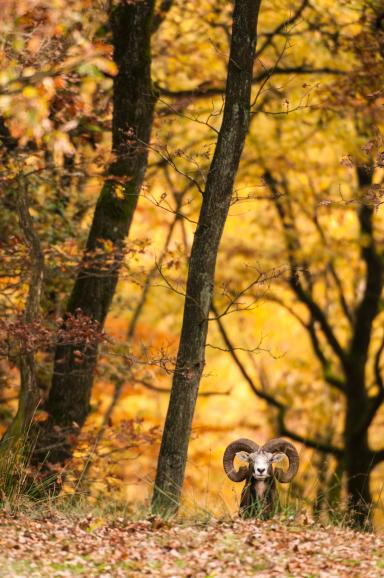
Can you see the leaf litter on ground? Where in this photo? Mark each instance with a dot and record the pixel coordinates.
(55, 546)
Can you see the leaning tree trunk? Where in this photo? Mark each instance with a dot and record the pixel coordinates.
(29, 391)
(214, 211)
(133, 104)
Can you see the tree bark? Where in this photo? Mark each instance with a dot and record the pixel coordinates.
(94, 288)
(213, 214)
(358, 466)
(29, 391)
(359, 457)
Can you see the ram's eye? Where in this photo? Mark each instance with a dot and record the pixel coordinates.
(278, 458)
(243, 456)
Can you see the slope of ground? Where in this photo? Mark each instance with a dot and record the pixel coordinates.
(56, 547)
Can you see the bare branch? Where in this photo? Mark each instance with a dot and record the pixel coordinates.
(378, 457)
(151, 275)
(282, 27)
(343, 302)
(309, 443)
(291, 242)
(282, 408)
(261, 278)
(232, 350)
(149, 385)
(161, 14)
(368, 307)
(207, 91)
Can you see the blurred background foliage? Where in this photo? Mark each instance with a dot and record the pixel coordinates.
(317, 117)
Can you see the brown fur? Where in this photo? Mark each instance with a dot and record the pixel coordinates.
(259, 498)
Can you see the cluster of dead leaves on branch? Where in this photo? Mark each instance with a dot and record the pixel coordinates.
(90, 546)
(76, 329)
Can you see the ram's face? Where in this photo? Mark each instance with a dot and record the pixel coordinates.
(261, 462)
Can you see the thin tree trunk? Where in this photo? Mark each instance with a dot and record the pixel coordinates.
(213, 214)
(29, 391)
(133, 104)
(358, 466)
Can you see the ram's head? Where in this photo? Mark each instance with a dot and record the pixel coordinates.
(260, 460)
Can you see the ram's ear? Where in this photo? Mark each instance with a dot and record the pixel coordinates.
(243, 456)
(278, 458)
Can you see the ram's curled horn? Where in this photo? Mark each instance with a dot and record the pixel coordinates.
(241, 445)
(285, 447)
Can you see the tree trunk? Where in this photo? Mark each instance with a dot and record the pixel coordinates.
(133, 104)
(213, 214)
(359, 457)
(358, 465)
(29, 391)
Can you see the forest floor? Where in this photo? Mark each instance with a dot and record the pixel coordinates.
(56, 546)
